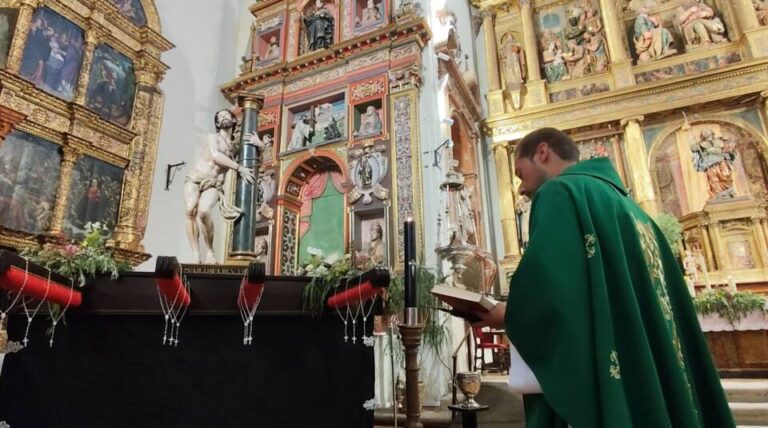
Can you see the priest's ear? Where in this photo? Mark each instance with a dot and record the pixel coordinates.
(542, 153)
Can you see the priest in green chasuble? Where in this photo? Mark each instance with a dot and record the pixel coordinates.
(598, 307)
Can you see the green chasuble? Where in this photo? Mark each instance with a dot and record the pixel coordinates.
(599, 309)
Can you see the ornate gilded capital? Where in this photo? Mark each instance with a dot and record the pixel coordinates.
(500, 146)
(488, 14)
(525, 4)
(69, 154)
(34, 4)
(627, 121)
(250, 100)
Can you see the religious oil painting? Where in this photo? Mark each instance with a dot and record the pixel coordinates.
(698, 66)
(8, 18)
(132, 10)
(112, 86)
(740, 254)
(320, 123)
(29, 177)
(93, 197)
(571, 40)
(53, 54)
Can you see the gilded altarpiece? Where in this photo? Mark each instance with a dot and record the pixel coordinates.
(79, 82)
(339, 128)
(679, 75)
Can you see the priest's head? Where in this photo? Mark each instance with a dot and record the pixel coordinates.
(541, 155)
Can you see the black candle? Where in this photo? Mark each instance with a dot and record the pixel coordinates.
(410, 264)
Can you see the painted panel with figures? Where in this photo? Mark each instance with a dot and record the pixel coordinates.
(112, 87)
(8, 18)
(132, 10)
(320, 123)
(53, 54)
(93, 197)
(29, 177)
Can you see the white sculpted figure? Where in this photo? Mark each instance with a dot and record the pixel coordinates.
(691, 265)
(371, 14)
(370, 123)
(300, 136)
(203, 186)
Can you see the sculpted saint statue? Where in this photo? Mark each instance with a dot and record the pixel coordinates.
(652, 40)
(512, 62)
(714, 156)
(370, 123)
(691, 265)
(203, 187)
(700, 25)
(273, 49)
(261, 249)
(319, 25)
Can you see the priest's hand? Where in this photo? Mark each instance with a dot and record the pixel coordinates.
(493, 318)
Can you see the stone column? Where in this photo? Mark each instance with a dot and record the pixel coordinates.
(92, 38)
(642, 184)
(506, 203)
(536, 87)
(621, 63)
(23, 23)
(69, 158)
(246, 197)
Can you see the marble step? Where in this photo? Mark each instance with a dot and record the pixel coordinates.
(750, 414)
(746, 390)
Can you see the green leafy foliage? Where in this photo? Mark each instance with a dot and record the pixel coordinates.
(435, 330)
(79, 261)
(325, 278)
(731, 306)
(671, 229)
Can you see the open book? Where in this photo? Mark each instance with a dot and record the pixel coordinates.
(463, 301)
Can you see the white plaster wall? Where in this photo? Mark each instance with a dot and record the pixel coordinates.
(209, 43)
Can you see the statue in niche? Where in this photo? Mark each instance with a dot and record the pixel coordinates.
(592, 22)
(267, 188)
(523, 209)
(371, 15)
(273, 49)
(691, 265)
(714, 156)
(761, 6)
(512, 62)
(301, 134)
(203, 187)
(464, 231)
(319, 25)
(375, 254)
(700, 25)
(652, 40)
(554, 64)
(368, 169)
(261, 249)
(370, 123)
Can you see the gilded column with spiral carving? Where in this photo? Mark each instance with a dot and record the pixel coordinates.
(23, 24)
(68, 160)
